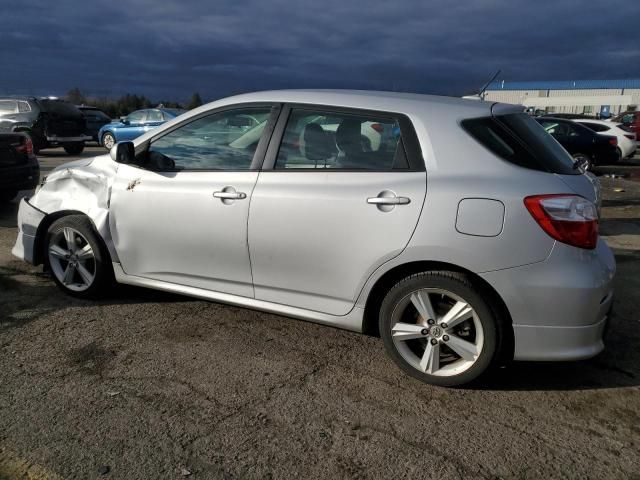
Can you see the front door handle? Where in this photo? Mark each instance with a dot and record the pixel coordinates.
(228, 195)
(388, 200)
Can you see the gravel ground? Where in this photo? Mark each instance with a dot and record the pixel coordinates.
(152, 385)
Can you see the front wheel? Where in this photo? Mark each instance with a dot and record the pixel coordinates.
(74, 148)
(438, 328)
(76, 256)
(108, 140)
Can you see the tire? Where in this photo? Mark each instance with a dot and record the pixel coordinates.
(73, 148)
(588, 162)
(407, 335)
(88, 252)
(108, 140)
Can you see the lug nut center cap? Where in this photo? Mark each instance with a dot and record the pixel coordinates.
(436, 331)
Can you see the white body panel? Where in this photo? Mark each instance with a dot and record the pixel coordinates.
(314, 239)
(169, 227)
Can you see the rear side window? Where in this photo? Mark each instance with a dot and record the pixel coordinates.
(520, 140)
(315, 139)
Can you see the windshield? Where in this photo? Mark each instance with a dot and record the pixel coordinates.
(60, 107)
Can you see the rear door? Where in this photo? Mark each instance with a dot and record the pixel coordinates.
(340, 193)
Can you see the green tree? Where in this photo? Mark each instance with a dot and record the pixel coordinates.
(195, 101)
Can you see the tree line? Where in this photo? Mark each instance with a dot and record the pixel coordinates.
(118, 107)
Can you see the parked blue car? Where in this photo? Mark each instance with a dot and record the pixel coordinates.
(134, 125)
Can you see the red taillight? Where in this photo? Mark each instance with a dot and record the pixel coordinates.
(378, 127)
(570, 219)
(613, 141)
(26, 147)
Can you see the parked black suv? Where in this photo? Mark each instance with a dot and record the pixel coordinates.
(19, 169)
(585, 146)
(48, 121)
(95, 118)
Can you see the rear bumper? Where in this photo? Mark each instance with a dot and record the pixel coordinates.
(559, 307)
(29, 218)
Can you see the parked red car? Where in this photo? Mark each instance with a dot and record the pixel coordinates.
(630, 120)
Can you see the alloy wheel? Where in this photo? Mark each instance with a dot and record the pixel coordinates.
(72, 259)
(437, 332)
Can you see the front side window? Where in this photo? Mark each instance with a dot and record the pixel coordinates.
(222, 141)
(8, 107)
(137, 117)
(320, 139)
(154, 116)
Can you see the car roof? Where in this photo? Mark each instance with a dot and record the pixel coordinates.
(407, 103)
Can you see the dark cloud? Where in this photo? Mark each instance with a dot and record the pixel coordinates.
(170, 48)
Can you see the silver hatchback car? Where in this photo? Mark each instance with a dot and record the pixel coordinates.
(458, 230)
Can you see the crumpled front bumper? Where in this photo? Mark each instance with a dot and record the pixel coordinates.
(29, 218)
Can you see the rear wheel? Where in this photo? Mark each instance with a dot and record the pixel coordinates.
(73, 148)
(77, 258)
(584, 160)
(437, 327)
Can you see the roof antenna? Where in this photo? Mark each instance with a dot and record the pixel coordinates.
(486, 85)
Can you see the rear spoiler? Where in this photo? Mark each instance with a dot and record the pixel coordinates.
(505, 109)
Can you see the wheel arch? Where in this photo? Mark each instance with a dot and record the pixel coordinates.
(41, 234)
(506, 341)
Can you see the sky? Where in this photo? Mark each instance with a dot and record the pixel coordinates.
(168, 49)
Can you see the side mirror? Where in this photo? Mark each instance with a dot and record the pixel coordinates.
(124, 120)
(123, 152)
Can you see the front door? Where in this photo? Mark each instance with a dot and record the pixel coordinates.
(339, 195)
(180, 214)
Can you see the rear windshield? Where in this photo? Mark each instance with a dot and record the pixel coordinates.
(519, 139)
(61, 108)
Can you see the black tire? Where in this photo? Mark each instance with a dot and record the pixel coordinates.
(108, 138)
(103, 278)
(583, 157)
(73, 148)
(460, 285)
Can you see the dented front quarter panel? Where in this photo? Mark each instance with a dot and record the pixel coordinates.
(82, 186)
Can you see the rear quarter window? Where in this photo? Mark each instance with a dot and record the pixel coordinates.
(520, 140)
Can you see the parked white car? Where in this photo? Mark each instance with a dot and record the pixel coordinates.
(627, 142)
(465, 235)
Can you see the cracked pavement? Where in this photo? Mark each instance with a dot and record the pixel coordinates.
(150, 383)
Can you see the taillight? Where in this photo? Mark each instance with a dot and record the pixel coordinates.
(378, 127)
(26, 147)
(613, 141)
(570, 219)
(630, 136)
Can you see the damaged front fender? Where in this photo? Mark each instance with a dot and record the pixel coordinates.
(81, 186)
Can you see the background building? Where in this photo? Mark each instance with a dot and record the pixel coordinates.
(589, 97)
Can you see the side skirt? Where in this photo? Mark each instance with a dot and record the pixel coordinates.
(352, 321)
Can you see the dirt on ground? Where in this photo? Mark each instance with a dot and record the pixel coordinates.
(152, 385)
